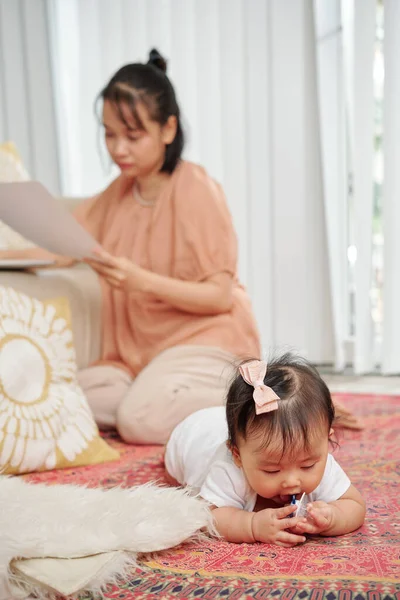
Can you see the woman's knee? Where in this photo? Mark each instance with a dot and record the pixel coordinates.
(147, 427)
(153, 408)
(148, 414)
(103, 376)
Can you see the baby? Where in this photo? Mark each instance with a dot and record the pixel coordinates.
(269, 446)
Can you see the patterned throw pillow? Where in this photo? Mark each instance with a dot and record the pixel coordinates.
(11, 169)
(45, 421)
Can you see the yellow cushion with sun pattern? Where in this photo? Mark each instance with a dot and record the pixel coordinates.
(45, 421)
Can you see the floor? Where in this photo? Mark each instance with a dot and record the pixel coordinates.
(363, 565)
(371, 384)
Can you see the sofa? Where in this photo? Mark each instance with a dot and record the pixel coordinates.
(80, 285)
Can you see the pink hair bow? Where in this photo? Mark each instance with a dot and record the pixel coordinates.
(253, 373)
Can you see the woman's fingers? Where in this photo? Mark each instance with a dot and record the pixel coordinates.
(106, 270)
(101, 257)
(101, 253)
(111, 275)
(99, 265)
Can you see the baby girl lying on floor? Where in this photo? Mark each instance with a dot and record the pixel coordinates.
(269, 445)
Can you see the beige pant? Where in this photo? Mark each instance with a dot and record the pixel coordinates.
(175, 384)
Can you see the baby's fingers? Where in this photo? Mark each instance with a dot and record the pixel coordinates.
(319, 518)
(289, 523)
(297, 527)
(289, 539)
(305, 527)
(285, 545)
(285, 511)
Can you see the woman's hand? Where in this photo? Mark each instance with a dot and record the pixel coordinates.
(120, 272)
(211, 296)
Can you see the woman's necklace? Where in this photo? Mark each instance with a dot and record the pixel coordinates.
(138, 198)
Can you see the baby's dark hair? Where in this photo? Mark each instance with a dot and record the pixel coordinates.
(304, 405)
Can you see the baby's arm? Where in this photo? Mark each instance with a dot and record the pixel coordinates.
(335, 518)
(349, 513)
(268, 525)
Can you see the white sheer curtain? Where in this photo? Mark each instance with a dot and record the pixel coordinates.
(246, 80)
(27, 115)
(362, 134)
(346, 41)
(345, 50)
(391, 196)
(329, 40)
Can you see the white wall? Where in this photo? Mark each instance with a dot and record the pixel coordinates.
(246, 80)
(26, 94)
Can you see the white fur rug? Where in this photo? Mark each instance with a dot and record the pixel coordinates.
(102, 530)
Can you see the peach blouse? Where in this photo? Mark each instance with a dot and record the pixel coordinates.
(187, 234)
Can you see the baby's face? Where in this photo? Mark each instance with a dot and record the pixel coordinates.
(273, 475)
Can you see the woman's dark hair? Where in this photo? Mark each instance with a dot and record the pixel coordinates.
(304, 405)
(148, 84)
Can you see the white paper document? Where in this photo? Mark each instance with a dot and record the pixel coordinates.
(16, 264)
(33, 212)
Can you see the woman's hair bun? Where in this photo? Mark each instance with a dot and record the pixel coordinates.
(157, 60)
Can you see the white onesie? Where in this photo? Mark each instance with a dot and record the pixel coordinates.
(197, 456)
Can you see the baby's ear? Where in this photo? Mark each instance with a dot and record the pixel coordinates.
(332, 437)
(235, 454)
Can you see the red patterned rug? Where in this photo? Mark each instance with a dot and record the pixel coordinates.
(364, 565)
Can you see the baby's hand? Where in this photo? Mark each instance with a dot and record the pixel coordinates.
(320, 518)
(270, 525)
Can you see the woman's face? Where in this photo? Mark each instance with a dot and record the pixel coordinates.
(137, 152)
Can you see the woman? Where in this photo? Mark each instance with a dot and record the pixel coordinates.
(175, 317)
